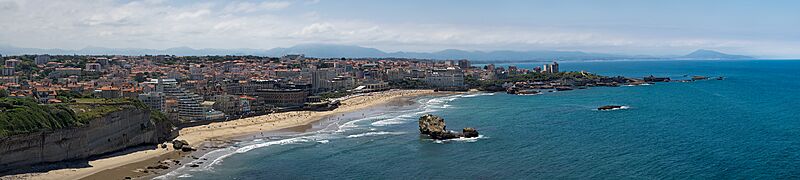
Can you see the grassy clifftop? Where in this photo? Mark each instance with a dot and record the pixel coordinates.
(19, 116)
(23, 115)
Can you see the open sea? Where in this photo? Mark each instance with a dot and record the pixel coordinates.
(744, 127)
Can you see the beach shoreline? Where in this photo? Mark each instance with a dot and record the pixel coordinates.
(126, 165)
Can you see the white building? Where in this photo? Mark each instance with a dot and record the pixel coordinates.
(321, 79)
(188, 104)
(445, 78)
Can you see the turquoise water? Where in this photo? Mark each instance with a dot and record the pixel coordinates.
(746, 126)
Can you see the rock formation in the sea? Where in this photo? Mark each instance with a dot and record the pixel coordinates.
(429, 123)
(469, 132)
(435, 127)
(609, 107)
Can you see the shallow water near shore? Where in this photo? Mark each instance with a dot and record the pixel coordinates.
(746, 126)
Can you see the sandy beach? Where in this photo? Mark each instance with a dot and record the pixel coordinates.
(215, 132)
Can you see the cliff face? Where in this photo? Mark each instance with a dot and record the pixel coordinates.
(112, 132)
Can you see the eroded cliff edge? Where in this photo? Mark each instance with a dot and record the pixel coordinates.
(121, 127)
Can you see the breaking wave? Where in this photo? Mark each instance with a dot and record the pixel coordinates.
(461, 139)
(374, 134)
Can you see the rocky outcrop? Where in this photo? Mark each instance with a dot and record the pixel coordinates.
(110, 133)
(469, 132)
(182, 145)
(609, 107)
(429, 123)
(435, 127)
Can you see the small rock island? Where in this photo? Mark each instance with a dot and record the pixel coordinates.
(434, 126)
(609, 107)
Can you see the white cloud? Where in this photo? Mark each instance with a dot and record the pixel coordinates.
(242, 24)
(249, 7)
(192, 14)
(317, 29)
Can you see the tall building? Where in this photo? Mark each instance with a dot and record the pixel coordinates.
(154, 100)
(550, 68)
(12, 63)
(321, 79)
(42, 59)
(554, 67)
(464, 64)
(188, 105)
(93, 67)
(8, 71)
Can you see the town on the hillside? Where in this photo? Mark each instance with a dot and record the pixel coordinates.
(215, 88)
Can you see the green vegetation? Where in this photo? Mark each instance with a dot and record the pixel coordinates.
(92, 108)
(540, 77)
(19, 116)
(24, 115)
(408, 84)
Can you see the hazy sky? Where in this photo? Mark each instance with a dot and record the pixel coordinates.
(762, 28)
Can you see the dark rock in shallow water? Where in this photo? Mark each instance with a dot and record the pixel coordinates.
(443, 135)
(610, 107)
(469, 132)
(434, 127)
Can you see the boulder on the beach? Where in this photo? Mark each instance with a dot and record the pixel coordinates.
(179, 144)
(159, 166)
(435, 127)
(187, 148)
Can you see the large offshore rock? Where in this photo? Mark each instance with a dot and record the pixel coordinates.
(429, 123)
(435, 127)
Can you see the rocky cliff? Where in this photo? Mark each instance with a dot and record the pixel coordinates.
(112, 132)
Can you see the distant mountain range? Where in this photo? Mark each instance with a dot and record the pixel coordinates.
(337, 51)
(709, 54)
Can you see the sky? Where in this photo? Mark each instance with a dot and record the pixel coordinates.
(769, 29)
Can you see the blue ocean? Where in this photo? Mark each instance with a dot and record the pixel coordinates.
(746, 126)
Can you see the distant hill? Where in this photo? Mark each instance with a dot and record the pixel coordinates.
(349, 51)
(334, 51)
(709, 54)
(327, 51)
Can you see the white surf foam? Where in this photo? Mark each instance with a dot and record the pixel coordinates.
(374, 134)
(392, 121)
(461, 139)
(478, 94)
